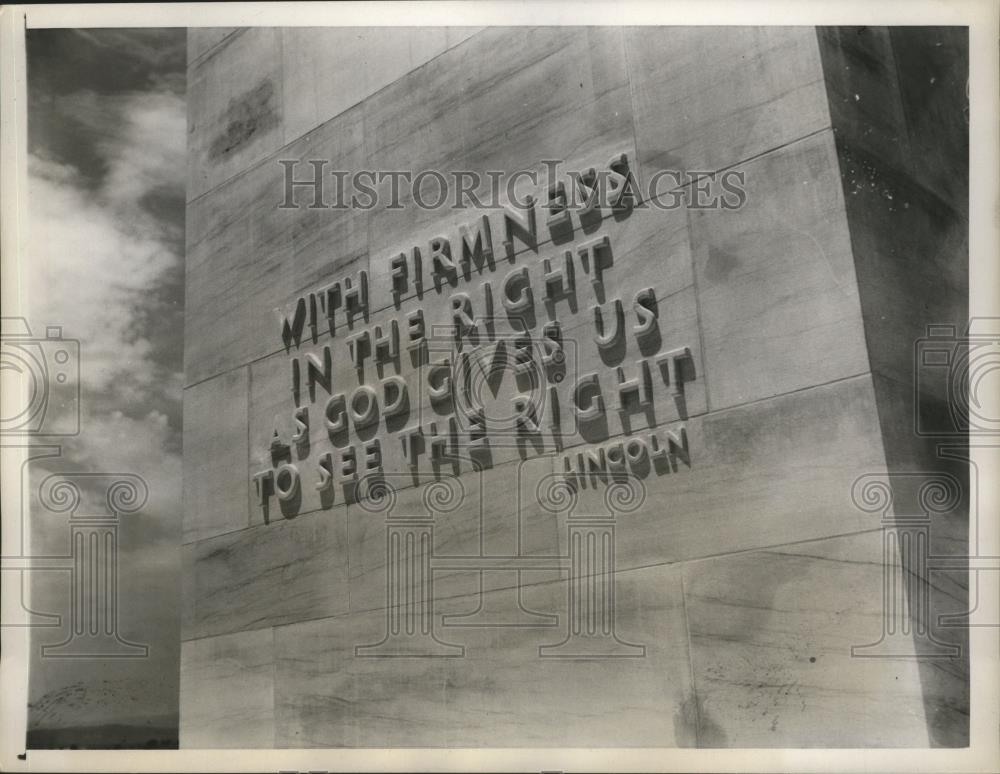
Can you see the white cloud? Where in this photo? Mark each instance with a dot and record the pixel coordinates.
(96, 256)
(152, 152)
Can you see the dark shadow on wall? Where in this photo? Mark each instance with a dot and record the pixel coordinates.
(899, 110)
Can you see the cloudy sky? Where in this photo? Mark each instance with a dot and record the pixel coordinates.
(106, 126)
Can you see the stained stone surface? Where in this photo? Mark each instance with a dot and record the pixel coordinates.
(235, 114)
(215, 414)
(721, 586)
(777, 293)
(227, 690)
(798, 610)
(705, 98)
(500, 693)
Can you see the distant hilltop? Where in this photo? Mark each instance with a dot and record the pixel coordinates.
(109, 736)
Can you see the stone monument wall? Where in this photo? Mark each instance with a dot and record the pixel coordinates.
(534, 476)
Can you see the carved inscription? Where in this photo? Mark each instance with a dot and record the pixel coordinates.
(471, 309)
